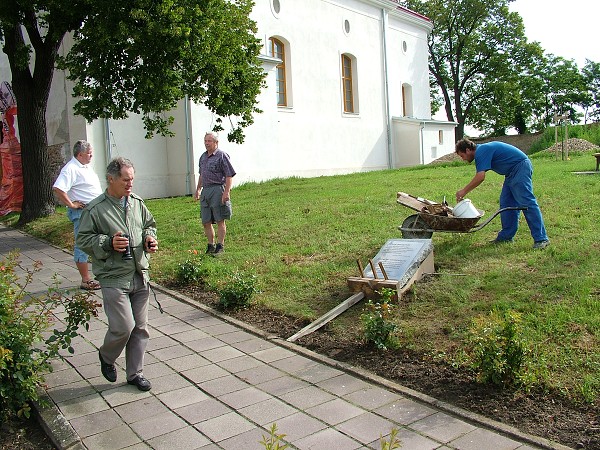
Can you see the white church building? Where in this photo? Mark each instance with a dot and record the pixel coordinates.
(347, 91)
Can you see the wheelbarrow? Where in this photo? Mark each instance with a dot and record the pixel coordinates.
(434, 216)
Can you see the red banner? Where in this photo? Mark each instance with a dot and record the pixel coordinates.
(11, 189)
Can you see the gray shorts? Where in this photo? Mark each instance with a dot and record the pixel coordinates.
(211, 208)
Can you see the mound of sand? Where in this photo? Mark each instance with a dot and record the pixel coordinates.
(574, 144)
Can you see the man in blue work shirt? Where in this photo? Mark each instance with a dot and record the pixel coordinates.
(517, 190)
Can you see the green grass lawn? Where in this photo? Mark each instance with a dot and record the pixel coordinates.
(302, 237)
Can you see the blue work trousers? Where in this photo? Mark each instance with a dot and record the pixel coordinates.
(518, 191)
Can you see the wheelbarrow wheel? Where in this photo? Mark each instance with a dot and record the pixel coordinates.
(414, 227)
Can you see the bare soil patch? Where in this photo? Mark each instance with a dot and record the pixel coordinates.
(24, 435)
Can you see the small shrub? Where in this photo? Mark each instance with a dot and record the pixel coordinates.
(24, 352)
(377, 321)
(237, 291)
(274, 440)
(191, 270)
(499, 353)
(393, 443)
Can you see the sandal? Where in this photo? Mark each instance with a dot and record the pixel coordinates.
(91, 285)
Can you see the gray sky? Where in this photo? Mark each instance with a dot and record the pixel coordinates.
(566, 28)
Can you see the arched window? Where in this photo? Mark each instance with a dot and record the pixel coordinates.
(278, 51)
(347, 84)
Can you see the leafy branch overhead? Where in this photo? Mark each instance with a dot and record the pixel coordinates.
(144, 56)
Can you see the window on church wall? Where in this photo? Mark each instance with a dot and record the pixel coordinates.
(347, 84)
(278, 51)
(407, 101)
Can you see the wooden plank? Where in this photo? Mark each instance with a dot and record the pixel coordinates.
(369, 286)
(413, 202)
(332, 314)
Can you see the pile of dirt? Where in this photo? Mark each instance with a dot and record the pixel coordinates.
(574, 144)
(446, 158)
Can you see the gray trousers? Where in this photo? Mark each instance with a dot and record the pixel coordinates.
(127, 313)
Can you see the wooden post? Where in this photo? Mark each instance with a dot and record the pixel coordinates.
(373, 269)
(360, 268)
(556, 136)
(567, 138)
(385, 276)
(559, 120)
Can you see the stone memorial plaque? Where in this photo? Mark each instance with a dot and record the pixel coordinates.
(401, 258)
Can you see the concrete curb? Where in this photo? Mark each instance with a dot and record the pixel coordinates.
(56, 426)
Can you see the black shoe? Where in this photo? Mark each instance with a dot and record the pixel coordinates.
(142, 383)
(218, 249)
(108, 370)
(210, 248)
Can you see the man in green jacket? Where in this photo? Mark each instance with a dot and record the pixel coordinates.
(119, 232)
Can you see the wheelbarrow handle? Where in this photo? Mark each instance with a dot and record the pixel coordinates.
(501, 210)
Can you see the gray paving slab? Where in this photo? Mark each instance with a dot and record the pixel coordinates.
(219, 384)
(224, 385)
(95, 423)
(239, 364)
(334, 411)
(116, 438)
(268, 411)
(200, 412)
(366, 427)
(479, 438)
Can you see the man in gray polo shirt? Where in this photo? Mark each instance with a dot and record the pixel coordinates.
(213, 191)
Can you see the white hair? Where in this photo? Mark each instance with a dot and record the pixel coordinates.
(212, 134)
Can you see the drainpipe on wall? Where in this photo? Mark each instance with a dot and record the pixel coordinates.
(386, 92)
(108, 146)
(421, 144)
(188, 146)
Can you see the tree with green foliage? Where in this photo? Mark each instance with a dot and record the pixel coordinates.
(591, 104)
(564, 88)
(531, 109)
(477, 49)
(126, 56)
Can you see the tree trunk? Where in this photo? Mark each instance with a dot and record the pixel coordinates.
(31, 93)
(459, 131)
(38, 199)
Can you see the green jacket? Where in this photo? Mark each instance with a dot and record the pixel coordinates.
(101, 219)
